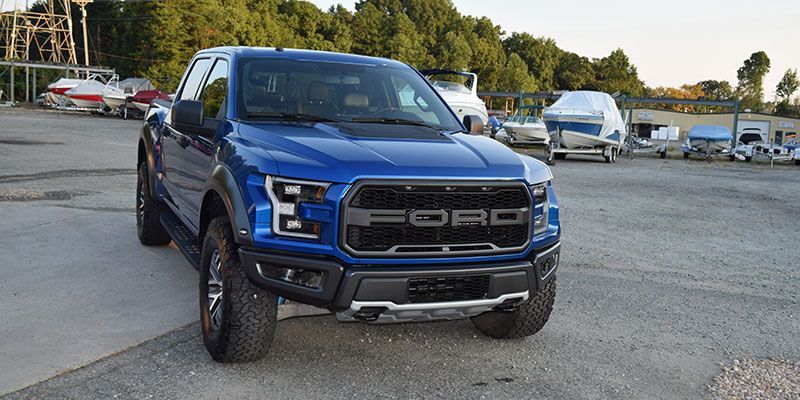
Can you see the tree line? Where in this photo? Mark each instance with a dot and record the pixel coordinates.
(156, 39)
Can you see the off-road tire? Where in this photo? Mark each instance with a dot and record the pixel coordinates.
(249, 313)
(796, 162)
(527, 319)
(685, 156)
(148, 212)
(748, 159)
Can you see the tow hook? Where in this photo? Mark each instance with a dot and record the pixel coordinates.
(368, 314)
(507, 306)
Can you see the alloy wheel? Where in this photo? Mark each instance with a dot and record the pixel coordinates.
(215, 290)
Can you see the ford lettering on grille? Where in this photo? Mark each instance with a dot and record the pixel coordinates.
(433, 218)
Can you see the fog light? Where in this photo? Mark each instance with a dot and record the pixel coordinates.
(297, 276)
(548, 264)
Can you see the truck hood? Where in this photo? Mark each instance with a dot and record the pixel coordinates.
(319, 151)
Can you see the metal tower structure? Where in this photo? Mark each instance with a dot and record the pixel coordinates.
(39, 36)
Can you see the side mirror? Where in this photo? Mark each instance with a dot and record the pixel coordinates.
(187, 115)
(473, 124)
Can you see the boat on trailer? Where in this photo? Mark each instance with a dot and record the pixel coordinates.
(88, 94)
(708, 140)
(525, 127)
(142, 99)
(55, 91)
(585, 122)
(116, 92)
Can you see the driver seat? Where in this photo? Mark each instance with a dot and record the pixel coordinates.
(318, 101)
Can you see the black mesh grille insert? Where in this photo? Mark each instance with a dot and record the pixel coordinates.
(468, 198)
(382, 238)
(449, 288)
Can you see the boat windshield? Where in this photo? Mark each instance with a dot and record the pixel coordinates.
(349, 93)
(524, 119)
(451, 86)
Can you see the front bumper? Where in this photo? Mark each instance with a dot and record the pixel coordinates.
(383, 289)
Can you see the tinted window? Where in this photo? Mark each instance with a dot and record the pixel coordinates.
(194, 78)
(213, 94)
(340, 91)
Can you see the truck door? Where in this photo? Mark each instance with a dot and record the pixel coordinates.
(174, 142)
(197, 159)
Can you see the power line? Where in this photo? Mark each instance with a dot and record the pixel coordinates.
(123, 57)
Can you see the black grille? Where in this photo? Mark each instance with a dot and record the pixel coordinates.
(382, 238)
(467, 198)
(407, 238)
(449, 288)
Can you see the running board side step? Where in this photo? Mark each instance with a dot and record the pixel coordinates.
(183, 237)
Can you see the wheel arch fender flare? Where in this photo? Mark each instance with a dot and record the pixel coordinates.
(146, 153)
(224, 185)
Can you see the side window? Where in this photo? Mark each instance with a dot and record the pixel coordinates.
(213, 94)
(194, 79)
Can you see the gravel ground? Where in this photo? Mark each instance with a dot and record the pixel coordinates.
(758, 379)
(669, 268)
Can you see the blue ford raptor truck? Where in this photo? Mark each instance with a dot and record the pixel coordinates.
(344, 182)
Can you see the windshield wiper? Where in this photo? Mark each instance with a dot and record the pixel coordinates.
(394, 121)
(292, 117)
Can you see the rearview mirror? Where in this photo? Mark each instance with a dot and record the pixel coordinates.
(187, 115)
(473, 123)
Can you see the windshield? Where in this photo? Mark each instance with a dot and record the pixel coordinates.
(338, 92)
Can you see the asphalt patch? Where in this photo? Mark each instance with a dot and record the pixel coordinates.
(22, 195)
(26, 142)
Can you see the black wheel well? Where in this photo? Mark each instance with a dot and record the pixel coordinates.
(213, 206)
(142, 154)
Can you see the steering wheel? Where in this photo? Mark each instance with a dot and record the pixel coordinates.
(383, 110)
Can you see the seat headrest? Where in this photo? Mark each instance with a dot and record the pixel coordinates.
(259, 91)
(356, 100)
(317, 91)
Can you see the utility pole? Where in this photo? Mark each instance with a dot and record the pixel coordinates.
(82, 4)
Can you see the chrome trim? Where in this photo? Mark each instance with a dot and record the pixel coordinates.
(276, 220)
(430, 311)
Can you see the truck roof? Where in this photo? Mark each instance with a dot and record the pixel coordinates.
(299, 54)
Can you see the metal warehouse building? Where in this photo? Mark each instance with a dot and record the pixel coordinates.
(780, 129)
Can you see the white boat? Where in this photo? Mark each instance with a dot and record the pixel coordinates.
(55, 91)
(585, 120)
(526, 129)
(460, 93)
(116, 92)
(88, 94)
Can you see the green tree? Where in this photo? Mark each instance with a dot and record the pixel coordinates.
(788, 84)
(786, 88)
(488, 56)
(616, 73)
(716, 90)
(515, 77)
(751, 80)
(574, 72)
(541, 55)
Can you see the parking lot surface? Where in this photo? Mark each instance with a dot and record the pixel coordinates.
(669, 267)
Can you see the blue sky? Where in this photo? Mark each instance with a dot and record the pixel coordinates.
(672, 42)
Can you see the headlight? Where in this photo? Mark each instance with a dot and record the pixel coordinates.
(541, 207)
(286, 196)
